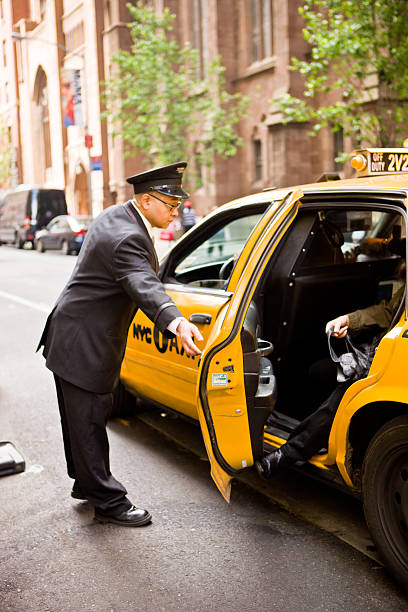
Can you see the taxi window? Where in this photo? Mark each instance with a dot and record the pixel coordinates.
(348, 236)
(221, 245)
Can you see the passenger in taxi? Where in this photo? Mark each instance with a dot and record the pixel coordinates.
(85, 335)
(312, 433)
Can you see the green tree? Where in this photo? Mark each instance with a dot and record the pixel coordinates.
(158, 102)
(5, 155)
(358, 60)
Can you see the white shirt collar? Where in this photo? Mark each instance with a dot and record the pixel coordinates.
(147, 223)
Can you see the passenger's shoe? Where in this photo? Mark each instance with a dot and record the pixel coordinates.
(134, 517)
(269, 465)
(76, 493)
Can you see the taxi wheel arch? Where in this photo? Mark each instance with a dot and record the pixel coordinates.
(385, 494)
(364, 425)
(125, 404)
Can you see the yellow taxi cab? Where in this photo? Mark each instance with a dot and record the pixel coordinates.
(260, 277)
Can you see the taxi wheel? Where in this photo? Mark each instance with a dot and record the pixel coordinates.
(124, 403)
(385, 495)
(39, 246)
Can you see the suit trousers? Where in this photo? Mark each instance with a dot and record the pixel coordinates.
(312, 433)
(83, 419)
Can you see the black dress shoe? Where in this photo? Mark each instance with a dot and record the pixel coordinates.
(76, 493)
(269, 465)
(134, 517)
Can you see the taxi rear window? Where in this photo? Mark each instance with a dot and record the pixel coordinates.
(351, 236)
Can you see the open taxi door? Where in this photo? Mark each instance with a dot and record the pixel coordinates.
(221, 394)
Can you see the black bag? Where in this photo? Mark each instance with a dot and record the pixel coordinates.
(356, 362)
(11, 461)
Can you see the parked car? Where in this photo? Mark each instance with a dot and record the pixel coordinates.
(65, 232)
(260, 277)
(27, 209)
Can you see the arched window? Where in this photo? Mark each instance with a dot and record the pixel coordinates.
(41, 100)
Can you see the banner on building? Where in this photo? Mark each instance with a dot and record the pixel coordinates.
(71, 94)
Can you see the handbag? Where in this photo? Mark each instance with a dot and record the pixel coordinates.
(356, 362)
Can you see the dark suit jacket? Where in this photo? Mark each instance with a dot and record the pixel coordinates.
(85, 335)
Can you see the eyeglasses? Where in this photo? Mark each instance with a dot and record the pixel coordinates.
(171, 206)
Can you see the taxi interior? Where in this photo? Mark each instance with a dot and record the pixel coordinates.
(342, 252)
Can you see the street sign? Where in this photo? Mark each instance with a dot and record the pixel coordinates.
(96, 163)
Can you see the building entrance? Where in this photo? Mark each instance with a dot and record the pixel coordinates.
(81, 192)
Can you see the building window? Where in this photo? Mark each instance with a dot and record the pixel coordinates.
(43, 8)
(257, 160)
(76, 37)
(198, 33)
(42, 102)
(4, 54)
(108, 14)
(261, 29)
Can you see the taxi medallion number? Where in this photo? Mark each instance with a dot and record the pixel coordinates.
(382, 161)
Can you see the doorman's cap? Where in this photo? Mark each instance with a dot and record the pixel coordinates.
(166, 180)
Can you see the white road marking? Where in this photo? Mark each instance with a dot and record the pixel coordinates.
(36, 305)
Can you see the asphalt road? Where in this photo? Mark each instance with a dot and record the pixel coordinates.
(199, 553)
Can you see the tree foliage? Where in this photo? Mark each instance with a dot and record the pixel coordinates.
(158, 102)
(358, 60)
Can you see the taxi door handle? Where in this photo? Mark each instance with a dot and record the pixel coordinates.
(201, 318)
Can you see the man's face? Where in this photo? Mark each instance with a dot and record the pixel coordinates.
(159, 209)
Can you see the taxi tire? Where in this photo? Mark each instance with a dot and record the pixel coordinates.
(39, 246)
(385, 495)
(124, 403)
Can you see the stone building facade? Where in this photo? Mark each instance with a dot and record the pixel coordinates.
(55, 53)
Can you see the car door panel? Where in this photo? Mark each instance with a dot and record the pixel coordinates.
(157, 367)
(222, 409)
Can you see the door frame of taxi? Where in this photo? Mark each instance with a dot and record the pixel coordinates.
(223, 415)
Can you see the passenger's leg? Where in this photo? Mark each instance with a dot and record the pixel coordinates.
(313, 432)
(307, 439)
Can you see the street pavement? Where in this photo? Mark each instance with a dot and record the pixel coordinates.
(199, 553)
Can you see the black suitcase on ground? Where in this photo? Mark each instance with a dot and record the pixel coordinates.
(11, 462)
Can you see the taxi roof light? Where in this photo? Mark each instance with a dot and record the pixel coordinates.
(359, 162)
(375, 161)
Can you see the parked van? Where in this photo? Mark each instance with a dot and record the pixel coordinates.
(27, 209)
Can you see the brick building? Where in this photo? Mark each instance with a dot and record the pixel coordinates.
(59, 53)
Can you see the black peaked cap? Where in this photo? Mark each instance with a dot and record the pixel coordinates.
(166, 180)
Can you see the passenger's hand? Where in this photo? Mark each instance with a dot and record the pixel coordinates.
(339, 326)
(187, 332)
